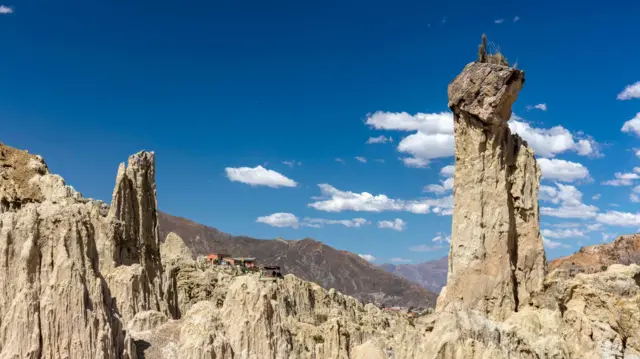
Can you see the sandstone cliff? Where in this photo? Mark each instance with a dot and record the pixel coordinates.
(596, 258)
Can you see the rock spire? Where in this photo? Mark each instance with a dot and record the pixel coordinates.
(497, 258)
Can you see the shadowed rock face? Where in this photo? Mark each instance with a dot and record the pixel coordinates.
(497, 258)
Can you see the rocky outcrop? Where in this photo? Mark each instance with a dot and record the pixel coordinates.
(497, 258)
(72, 268)
(592, 259)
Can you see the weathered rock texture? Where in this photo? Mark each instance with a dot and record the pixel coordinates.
(497, 258)
(72, 272)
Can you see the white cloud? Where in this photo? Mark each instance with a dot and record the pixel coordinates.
(562, 233)
(516, 18)
(553, 244)
(630, 92)
(561, 170)
(397, 224)
(321, 222)
(632, 126)
(5, 10)
(400, 260)
(292, 163)
(445, 186)
(634, 198)
(607, 237)
(622, 179)
(290, 220)
(622, 219)
(441, 238)
(447, 171)
(425, 248)
(379, 139)
(367, 257)
(379, 160)
(335, 200)
(340, 160)
(570, 200)
(553, 141)
(280, 220)
(540, 106)
(596, 196)
(433, 137)
(361, 159)
(259, 176)
(415, 162)
(638, 153)
(499, 21)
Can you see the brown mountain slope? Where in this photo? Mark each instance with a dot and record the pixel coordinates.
(431, 275)
(592, 259)
(308, 259)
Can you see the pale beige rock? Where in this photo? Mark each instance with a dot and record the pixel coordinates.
(497, 258)
(55, 299)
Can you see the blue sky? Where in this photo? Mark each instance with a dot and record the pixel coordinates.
(211, 86)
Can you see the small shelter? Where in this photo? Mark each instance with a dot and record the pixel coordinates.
(247, 262)
(217, 258)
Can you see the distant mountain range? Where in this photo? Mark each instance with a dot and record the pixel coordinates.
(431, 275)
(307, 259)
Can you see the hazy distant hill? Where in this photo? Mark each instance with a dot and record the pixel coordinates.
(432, 275)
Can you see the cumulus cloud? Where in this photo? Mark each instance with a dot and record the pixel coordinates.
(290, 220)
(425, 248)
(340, 160)
(397, 224)
(622, 179)
(622, 219)
(632, 126)
(562, 233)
(447, 171)
(259, 176)
(596, 196)
(516, 18)
(5, 10)
(634, 198)
(335, 200)
(553, 244)
(570, 200)
(443, 187)
(400, 260)
(441, 238)
(630, 92)
(499, 21)
(553, 141)
(561, 170)
(379, 139)
(280, 220)
(367, 257)
(361, 159)
(433, 137)
(638, 153)
(540, 106)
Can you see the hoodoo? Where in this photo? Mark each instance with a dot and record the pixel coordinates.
(497, 257)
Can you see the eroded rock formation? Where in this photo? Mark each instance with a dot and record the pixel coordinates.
(66, 291)
(497, 257)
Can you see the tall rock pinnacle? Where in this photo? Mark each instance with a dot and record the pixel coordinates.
(497, 258)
